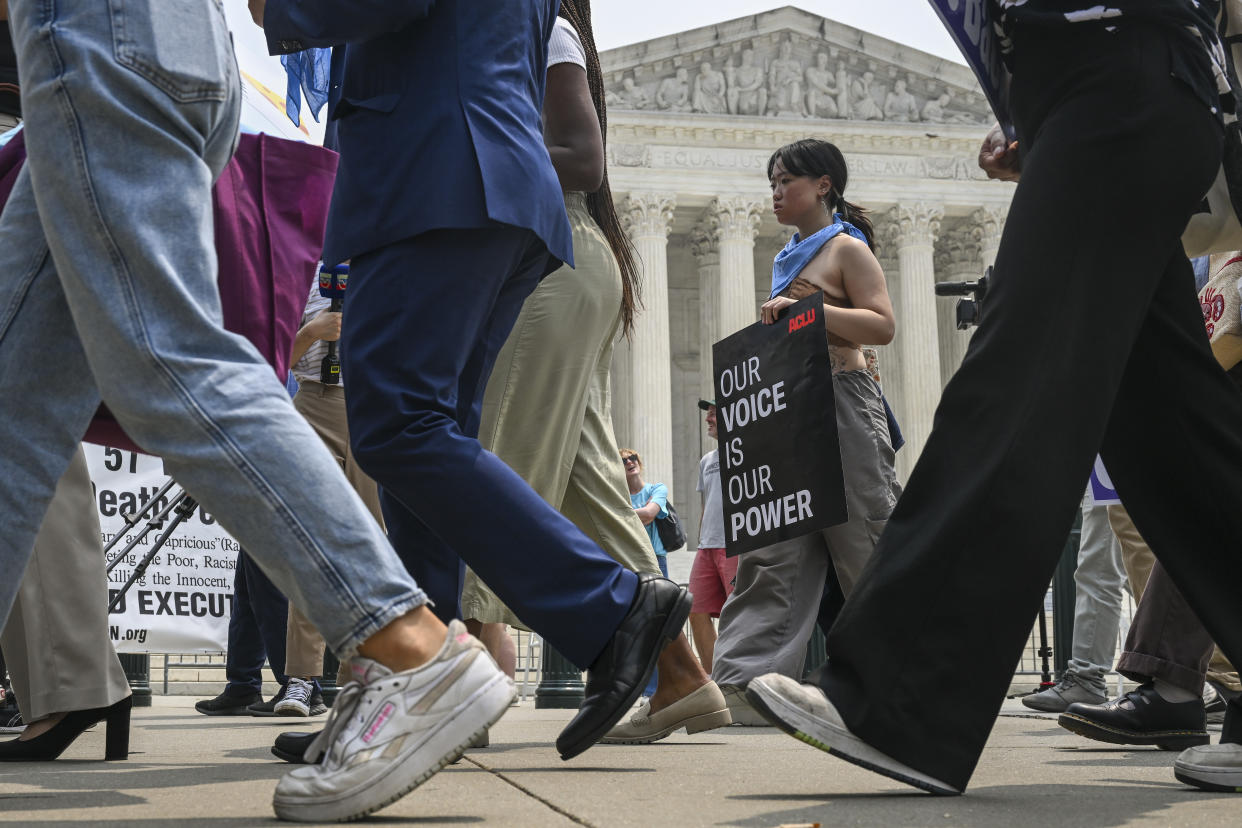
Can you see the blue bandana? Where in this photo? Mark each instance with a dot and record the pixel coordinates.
(799, 252)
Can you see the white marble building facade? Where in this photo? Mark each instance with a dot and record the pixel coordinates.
(693, 118)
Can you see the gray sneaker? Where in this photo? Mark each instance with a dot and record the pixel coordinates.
(1211, 767)
(804, 712)
(390, 732)
(1061, 695)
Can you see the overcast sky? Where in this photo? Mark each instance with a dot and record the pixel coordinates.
(912, 22)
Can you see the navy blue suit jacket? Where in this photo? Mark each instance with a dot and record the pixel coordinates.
(439, 116)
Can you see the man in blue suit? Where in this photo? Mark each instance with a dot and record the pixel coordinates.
(447, 204)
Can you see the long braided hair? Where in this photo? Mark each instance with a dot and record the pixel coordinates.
(599, 203)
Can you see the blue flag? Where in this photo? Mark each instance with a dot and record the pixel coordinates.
(308, 73)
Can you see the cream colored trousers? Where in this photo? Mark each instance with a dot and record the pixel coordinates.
(56, 641)
(323, 406)
(547, 408)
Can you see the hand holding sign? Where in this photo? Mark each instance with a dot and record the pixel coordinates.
(780, 458)
(998, 157)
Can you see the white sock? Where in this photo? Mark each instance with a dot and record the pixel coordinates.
(1170, 693)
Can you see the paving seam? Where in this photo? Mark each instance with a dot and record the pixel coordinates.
(551, 806)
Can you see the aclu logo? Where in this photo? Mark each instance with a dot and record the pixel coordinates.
(797, 323)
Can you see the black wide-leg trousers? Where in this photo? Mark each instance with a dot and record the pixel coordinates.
(1092, 340)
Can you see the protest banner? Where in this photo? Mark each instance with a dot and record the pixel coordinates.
(777, 425)
(970, 25)
(1102, 491)
(183, 602)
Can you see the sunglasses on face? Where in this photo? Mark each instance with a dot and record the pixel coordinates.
(632, 458)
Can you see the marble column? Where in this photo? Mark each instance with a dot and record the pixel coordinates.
(990, 222)
(957, 260)
(918, 340)
(706, 252)
(724, 243)
(888, 356)
(735, 219)
(647, 218)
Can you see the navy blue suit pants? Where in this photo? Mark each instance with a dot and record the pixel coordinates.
(426, 318)
(256, 629)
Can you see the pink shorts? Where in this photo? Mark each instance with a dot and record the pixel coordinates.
(711, 580)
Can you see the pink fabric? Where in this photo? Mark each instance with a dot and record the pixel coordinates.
(711, 580)
(270, 207)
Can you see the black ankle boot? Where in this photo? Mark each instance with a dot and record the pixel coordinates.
(49, 745)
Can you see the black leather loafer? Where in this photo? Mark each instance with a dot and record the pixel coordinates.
(292, 746)
(1140, 717)
(620, 672)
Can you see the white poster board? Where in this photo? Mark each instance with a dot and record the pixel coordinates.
(183, 602)
(1102, 491)
(264, 82)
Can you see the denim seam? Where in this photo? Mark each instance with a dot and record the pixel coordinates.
(30, 273)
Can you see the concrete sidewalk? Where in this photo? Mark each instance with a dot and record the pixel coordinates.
(190, 770)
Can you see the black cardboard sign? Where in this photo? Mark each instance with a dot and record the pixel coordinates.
(777, 425)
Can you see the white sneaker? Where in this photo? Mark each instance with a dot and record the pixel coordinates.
(296, 701)
(390, 732)
(1214, 704)
(740, 711)
(804, 712)
(1211, 767)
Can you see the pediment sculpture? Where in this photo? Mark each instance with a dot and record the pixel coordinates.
(792, 76)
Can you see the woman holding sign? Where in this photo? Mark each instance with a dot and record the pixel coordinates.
(765, 625)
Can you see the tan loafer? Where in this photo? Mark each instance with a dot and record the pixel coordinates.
(704, 709)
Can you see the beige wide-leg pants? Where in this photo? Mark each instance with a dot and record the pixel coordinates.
(547, 408)
(56, 642)
(323, 406)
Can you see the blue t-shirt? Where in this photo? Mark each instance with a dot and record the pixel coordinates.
(659, 493)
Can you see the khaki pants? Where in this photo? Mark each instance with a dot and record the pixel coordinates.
(323, 406)
(1166, 639)
(547, 408)
(56, 640)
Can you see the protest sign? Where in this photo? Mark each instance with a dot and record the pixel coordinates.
(183, 602)
(1102, 491)
(970, 25)
(777, 425)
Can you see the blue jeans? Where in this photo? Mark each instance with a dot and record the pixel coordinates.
(257, 627)
(108, 291)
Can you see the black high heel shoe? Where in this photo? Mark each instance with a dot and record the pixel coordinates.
(47, 746)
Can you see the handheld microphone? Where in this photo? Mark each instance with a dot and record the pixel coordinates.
(332, 283)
